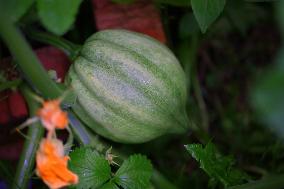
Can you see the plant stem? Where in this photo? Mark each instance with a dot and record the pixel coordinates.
(200, 101)
(273, 182)
(72, 50)
(10, 84)
(26, 59)
(187, 53)
(83, 135)
(196, 84)
(35, 133)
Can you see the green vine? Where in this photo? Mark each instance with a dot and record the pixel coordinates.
(35, 133)
(68, 47)
(27, 60)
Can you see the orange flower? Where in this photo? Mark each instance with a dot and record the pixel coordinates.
(51, 164)
(52, 116)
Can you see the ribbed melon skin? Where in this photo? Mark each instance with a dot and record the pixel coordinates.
(130, 87)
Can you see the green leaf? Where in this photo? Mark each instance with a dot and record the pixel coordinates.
(216, 166)
(91, 167)
(58, 15)
(207, 11)
(94, 171)
(134, 173)
(15, 9)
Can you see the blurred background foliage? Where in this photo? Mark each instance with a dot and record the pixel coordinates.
(236, 86)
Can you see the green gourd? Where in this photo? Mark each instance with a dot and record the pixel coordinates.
(130, 88)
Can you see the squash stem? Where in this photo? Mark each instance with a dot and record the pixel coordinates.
(35, 133)
(196, 84)
(83, 135)
(27, 60)
(187, 53)
(72, 50)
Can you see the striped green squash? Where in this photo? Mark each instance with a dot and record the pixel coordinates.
(130, 87)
